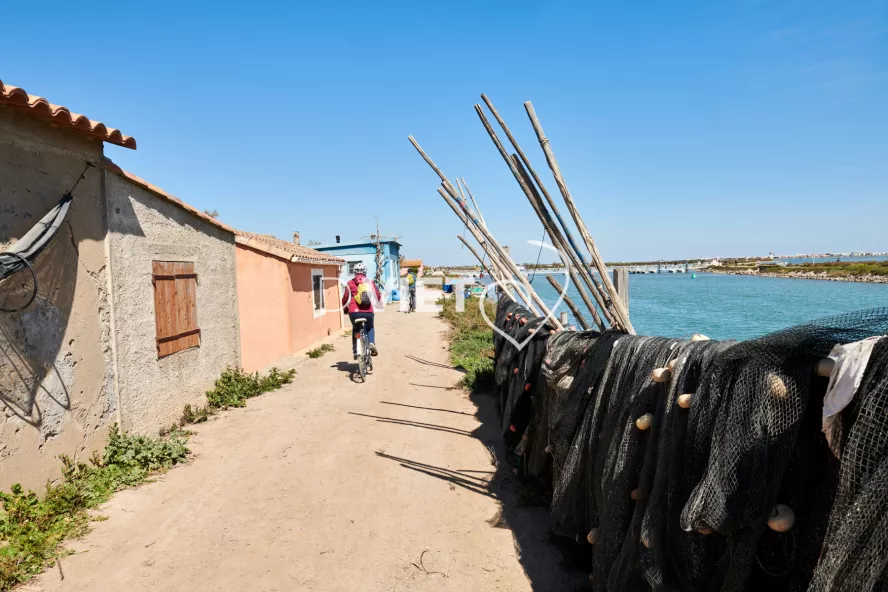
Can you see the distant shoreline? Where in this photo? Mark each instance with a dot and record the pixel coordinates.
(805, 275)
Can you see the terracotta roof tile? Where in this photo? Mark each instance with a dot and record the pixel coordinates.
(411, 263)
(282, 248)
(16, 97)
(111, 167)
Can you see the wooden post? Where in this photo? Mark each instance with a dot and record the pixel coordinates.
(539, 209)
(472, 197)
(573, 308)
(621, 285)
(492, 254)
(619, 310)
(482, 231)
(493, 274)
(569, 245)
(572, 265)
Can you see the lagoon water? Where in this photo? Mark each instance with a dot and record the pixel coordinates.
(729, 306)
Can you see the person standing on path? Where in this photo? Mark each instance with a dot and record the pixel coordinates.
(358, 300)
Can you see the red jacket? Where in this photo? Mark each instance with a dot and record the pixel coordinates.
(349, 302)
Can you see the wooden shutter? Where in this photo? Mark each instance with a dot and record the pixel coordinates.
(175, 306)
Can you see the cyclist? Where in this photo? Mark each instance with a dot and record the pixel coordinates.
(358, 300)
(411, 287)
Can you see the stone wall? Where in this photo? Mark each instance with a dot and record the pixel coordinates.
(145, 227)
(56, 387)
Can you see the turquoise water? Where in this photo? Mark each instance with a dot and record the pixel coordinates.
(729, 306)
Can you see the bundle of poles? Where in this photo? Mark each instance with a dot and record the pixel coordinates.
(582, 260)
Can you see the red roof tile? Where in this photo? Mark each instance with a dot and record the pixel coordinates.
(285, 249)
(16, 97)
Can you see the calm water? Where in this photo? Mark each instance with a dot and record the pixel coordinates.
(729, 306)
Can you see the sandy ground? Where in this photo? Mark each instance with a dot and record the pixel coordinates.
(331, 485)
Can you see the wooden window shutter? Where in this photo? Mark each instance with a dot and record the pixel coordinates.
(175, 306)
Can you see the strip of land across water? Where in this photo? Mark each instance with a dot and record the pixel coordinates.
(875, 272)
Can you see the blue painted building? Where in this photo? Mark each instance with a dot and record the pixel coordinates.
(365, 252)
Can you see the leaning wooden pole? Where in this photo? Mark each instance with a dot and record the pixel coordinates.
(573, 308)
(616, 302)
(572, 265)
(496, 257)
(472, 197)
(571, 246)
(504, 257)
(491, 272)
(543, 215)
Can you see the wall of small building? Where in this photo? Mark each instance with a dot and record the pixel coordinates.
(56, 380)
(263, 304)
(276, 307)
(308, 326)
(143, 227)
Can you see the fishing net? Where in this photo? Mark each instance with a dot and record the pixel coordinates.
(626, 397)
(571, 413)
(684, 503)
(855, 549)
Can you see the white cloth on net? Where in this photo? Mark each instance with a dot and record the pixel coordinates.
(850, 364)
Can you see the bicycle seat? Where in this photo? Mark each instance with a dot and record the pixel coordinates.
(360, 321)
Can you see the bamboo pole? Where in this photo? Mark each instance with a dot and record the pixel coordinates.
(593, 284)
(619, 309)
(529, 297)
(572, 265)
(504, 257)
(543, 214)
(492, 273)
(472, 197)
(573, 308)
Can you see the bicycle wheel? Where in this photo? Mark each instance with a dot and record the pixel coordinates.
(362, 358)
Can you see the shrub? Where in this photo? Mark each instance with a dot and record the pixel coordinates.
(235, 386)
(32, 529)
(471, 341)
(320, 350)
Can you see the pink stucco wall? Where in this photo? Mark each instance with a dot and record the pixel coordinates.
(275, 306)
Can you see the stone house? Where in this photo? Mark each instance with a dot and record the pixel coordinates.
(136, 309)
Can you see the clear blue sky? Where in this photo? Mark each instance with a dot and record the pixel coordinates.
(683, 128)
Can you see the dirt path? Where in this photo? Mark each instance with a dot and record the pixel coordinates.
(330, 485)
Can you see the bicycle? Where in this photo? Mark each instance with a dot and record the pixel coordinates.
(365, 362)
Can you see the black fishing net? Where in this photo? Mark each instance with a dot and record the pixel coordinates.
(681, 500)
(855, 549)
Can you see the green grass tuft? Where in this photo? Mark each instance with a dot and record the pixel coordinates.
(33, 529)
(471, 342)
(235, 386)
(320, 350)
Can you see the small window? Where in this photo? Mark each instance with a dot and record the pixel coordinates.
(351, 267)
(317, 292)
(175, 306)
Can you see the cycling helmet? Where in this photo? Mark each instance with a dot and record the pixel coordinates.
(361, 268)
